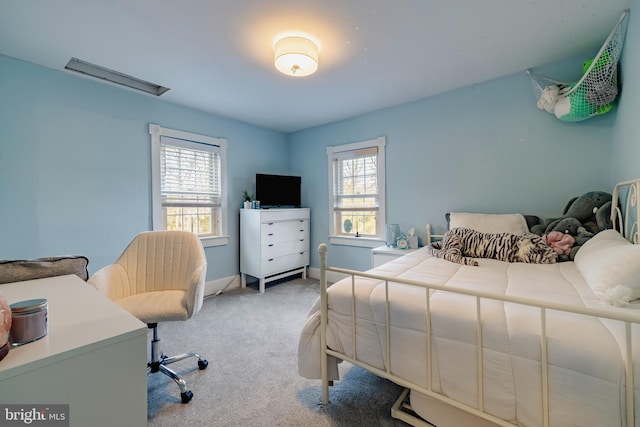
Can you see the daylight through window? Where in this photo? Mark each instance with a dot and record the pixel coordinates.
(190, 187)
(189, 191)
(357, 193)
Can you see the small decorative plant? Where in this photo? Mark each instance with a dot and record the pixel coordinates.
(246, 196)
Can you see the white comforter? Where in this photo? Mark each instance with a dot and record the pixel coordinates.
(587, 371)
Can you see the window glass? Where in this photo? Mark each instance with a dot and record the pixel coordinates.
(357, 190)
(189, 184)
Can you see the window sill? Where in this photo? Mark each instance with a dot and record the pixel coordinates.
(208, 242)
(365, 242)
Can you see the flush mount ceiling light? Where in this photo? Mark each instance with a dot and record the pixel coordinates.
(112, 76)
(296, 56)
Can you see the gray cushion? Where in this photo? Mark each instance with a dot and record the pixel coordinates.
(19, 270)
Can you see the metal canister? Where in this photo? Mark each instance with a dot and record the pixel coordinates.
(28, 321)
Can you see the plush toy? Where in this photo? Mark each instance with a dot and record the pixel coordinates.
(585, 209)
(601, 93)
(571, 228)
(560, 242)
(548, 98)
(603, 217)
(568, 225)
(573, 107)
(583, 217)
(591, 97)
(581, 238)
(567, 234)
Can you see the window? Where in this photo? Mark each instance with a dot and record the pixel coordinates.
(357, 193)
(189, 184)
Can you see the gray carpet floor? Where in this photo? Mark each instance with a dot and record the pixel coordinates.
(251, 342)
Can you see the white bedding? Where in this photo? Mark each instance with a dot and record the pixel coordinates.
(587, 371)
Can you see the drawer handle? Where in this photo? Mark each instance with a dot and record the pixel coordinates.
(270, 223)
(302, 230)
(270, 244)
(270, 259)
(270, 234)
(302, 240)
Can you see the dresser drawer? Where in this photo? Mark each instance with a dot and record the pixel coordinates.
(268, 215)
(283, 263)
(274, 250)
(273, 232)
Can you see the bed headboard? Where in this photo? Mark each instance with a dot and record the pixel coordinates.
(625, 212)
(430, 236)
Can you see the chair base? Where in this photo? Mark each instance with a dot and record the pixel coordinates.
(159, 362)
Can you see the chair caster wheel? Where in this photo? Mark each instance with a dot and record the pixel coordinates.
(202, 364)
(186, 396)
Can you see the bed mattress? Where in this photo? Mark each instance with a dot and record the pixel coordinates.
(586, 358)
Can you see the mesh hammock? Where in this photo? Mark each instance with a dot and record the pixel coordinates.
(594, 93)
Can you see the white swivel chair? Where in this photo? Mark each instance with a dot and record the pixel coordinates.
(159, 277)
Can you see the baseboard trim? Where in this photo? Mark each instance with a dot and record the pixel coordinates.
(233, 282)
(221, 285)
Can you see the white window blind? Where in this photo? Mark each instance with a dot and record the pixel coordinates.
(357, 192)
(188, 184)
(190, 174)
(356, 180)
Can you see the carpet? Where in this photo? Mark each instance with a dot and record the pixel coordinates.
(251, 342)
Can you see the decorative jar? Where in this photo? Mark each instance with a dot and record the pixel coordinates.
(393, 232)
(29, 321)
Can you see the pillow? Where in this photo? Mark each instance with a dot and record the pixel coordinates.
(489, 223)
(19, 270)
(611, 267)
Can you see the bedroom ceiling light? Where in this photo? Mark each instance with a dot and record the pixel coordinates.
(112, 76)
(296, 56)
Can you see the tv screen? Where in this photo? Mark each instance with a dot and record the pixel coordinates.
(278, 190)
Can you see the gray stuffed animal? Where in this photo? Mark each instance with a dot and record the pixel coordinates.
(583, 217)
(592, 210)
(574, 228)
(586, 209)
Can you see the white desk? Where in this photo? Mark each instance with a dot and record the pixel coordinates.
(93, 358)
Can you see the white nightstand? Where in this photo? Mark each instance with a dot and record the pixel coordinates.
(384, 254)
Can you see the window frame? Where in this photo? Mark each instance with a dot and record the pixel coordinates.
(158, 220)
(368, 241)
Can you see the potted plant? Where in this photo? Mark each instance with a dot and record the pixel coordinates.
(247, 199)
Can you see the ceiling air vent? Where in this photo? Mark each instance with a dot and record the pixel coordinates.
(99, 72)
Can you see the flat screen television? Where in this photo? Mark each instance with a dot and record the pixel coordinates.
(278, 190)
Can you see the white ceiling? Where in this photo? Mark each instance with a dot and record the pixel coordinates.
(217, 55)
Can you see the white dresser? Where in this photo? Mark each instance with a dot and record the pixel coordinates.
(274, 243)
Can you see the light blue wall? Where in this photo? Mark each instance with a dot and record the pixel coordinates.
(74, 158)
(484, 148)
(75, 165)
(626, 135)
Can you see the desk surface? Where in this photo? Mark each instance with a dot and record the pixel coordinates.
(80, 320)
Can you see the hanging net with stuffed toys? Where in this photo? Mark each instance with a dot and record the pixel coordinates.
(594, 93)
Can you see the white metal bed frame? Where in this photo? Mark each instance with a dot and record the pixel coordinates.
(627, 225)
